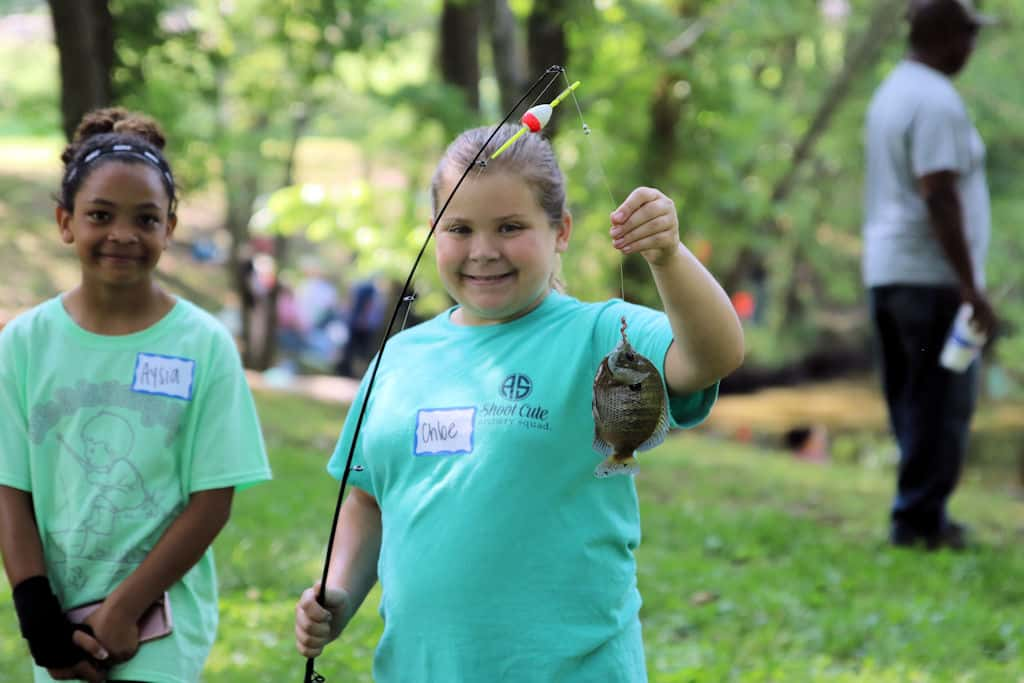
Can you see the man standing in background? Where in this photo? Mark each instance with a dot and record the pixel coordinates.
(926, 236)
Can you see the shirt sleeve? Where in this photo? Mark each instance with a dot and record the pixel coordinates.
(650, 333)
(359, 472)
(14, 449)
(228, 448)
(937, 140)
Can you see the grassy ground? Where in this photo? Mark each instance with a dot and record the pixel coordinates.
(754, 568)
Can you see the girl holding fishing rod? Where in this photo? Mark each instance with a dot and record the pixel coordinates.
(474, 499)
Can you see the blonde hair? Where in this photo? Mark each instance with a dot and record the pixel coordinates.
(531, 158)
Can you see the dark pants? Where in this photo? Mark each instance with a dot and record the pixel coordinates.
(929, 407)
(359, 346)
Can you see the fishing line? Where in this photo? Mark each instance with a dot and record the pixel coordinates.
(311, 675)
(604, 177)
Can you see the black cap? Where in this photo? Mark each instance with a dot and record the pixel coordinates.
(930, 10)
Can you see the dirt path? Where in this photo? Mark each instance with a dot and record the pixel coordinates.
(842, 405)
(321, 387)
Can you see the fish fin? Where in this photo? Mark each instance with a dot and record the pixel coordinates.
(612, 467)
(628, 376)
(660, 432)
(602, 446)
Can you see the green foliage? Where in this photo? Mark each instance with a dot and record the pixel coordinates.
(742, 98)
(29, 102)
(14, 6)
(737, 103)
(239, 84)
(706, 99)
(754, 568)
(996, 98)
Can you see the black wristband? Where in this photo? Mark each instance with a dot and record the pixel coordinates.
(44, 625)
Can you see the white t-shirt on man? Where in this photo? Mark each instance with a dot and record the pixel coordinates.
(917, 124)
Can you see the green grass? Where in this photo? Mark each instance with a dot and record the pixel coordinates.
(755, 568)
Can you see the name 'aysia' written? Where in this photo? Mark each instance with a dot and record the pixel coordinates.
(158, 375)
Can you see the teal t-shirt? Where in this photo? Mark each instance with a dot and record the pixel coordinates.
(504, 558)
(111, 435)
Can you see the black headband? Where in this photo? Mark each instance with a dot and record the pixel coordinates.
(128, 150)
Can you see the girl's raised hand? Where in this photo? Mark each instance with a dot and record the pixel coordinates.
(646, 223)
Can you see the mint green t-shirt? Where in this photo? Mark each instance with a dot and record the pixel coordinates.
(111, 435)
(504, 558)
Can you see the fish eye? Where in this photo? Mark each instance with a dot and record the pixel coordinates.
(635, 387)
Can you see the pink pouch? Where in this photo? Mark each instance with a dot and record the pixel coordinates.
(156, 621)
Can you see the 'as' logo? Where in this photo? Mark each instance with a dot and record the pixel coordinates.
(516, 387)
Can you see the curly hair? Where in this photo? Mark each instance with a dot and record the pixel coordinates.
(105, 129)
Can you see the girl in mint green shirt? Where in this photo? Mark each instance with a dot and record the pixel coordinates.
(125, 426)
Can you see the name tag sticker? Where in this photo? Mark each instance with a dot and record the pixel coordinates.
(164, 376)
(444, 431)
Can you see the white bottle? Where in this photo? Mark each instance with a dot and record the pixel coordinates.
(964, 342)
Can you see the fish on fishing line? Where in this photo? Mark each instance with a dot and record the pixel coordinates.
(630, 408)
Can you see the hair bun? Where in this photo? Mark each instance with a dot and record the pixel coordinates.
(119, 120)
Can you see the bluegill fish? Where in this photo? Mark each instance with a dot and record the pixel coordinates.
(630, 408)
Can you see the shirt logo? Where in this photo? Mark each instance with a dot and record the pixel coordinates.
(164, 375)
(516, 387)
(444, 431)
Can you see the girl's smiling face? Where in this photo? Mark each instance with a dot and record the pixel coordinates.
(496, 249)
(120, 224)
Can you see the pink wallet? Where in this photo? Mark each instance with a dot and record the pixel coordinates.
(156, 621)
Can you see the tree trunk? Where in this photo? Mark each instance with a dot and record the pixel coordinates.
(460, 59)
(241, 188)
(666, 112)
(84, 33)
(267, 348)
(667, 107)
(268, 345)
(240, 262)
(545, 36)
(509, 61)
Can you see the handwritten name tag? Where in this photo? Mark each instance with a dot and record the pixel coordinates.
(164, 375)
(445, 431)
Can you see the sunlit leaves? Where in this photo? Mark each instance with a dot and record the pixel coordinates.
(743, 79)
